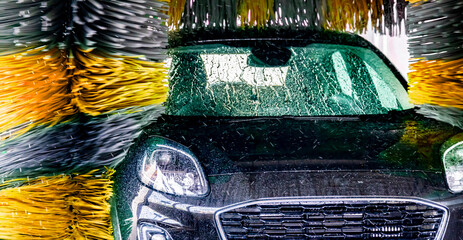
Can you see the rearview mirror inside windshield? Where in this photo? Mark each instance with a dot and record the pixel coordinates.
(269, 56)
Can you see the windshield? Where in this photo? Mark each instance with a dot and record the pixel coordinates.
(271, 80)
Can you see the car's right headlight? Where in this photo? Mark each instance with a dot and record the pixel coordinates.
(452, 156)
(172, 168)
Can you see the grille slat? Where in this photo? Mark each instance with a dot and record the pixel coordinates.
(367, 219)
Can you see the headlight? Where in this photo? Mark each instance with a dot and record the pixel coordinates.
(149, 231)
(170, 167)
(453, 163)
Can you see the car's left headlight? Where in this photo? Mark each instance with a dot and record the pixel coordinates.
(452, 156)
(172, 168)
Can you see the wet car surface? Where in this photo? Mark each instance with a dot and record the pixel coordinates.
(305, 137)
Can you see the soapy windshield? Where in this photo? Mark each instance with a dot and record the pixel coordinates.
(271, 80)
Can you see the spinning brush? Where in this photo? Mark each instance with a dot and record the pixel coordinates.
(451, 115)
(321, 14)
(34, 88)
(74, 76)
(75, 146)
(92, 57)
(123, 28)
(58, 207)
(118, 46)
(104, 83)
(28, 24)
(436, 77)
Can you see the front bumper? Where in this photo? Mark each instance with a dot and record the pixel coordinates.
(194, 218)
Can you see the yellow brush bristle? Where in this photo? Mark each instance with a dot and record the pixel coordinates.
(377, 13)
(339, 15)
(419, 135)
(58, 207)
(47, 86)
(34, 88)
(437, 82)
(176, 8)
(415, 1)
(424, 138)
(349, 14)
(104, 83)
(255, 12)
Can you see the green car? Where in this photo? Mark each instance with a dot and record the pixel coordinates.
(288, 135)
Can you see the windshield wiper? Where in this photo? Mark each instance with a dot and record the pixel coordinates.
(299, 118)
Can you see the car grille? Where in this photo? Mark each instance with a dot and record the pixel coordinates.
(333, 219)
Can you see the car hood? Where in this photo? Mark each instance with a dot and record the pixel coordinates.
(400, 141)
